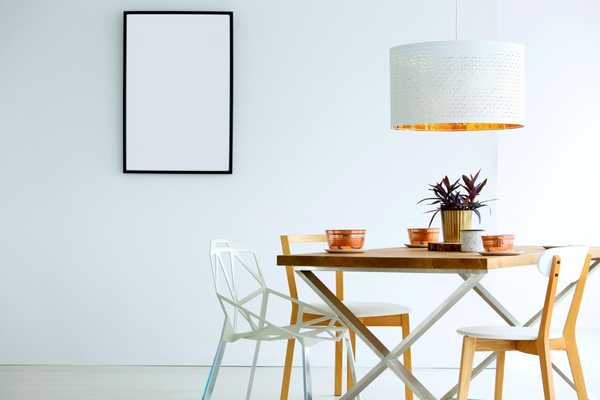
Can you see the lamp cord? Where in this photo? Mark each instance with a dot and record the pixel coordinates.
(456, 20)
(500, 20)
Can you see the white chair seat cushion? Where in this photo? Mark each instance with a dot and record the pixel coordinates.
(502, 332)
(369, 309)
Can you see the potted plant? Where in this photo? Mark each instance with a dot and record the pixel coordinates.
(456, 207)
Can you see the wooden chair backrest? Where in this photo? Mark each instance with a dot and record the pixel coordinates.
(286, 243)
(573, 313)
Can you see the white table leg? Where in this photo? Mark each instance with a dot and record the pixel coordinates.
(389, 359)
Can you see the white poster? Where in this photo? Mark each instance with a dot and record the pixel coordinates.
(177, 111)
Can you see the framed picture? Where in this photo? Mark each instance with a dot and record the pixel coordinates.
(178, 92)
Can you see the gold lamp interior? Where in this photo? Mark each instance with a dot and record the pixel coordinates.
(456, 127)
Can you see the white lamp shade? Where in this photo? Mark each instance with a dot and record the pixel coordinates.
(457, 86)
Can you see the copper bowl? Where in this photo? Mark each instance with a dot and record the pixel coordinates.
(345, 239)
(423, 235)
(498, 243)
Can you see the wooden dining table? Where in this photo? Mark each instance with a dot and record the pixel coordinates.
(470, 267)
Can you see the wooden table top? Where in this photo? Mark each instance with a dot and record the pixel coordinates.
(399, 258)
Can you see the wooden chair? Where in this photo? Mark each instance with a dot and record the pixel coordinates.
(370, 313)
(538, 342)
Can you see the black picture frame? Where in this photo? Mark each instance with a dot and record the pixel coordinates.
(229, 170)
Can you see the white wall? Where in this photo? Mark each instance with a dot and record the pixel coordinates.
(548, 172)
(101, 267)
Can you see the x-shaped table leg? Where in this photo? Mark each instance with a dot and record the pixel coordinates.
(389, 359)
(513, 321)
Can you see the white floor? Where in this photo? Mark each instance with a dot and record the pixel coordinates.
(181, 383)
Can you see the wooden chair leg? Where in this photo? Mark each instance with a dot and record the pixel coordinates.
(501, 355)
(339, 351)
(546, 369)
(576, 370)
(466, 367)
(349, 381)
(287, 369)
(407, 355)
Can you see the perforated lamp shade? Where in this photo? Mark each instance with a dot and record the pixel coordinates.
(457, 86)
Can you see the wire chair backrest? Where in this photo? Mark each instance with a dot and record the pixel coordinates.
(239, 285)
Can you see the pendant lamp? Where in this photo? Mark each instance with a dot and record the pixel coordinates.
(457, 86)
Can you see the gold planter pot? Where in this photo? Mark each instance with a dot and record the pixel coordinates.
(452, 223)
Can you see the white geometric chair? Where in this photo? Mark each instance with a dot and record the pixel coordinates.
(562, 265)
(244, 297)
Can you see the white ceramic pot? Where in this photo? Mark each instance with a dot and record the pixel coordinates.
(470, 240)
